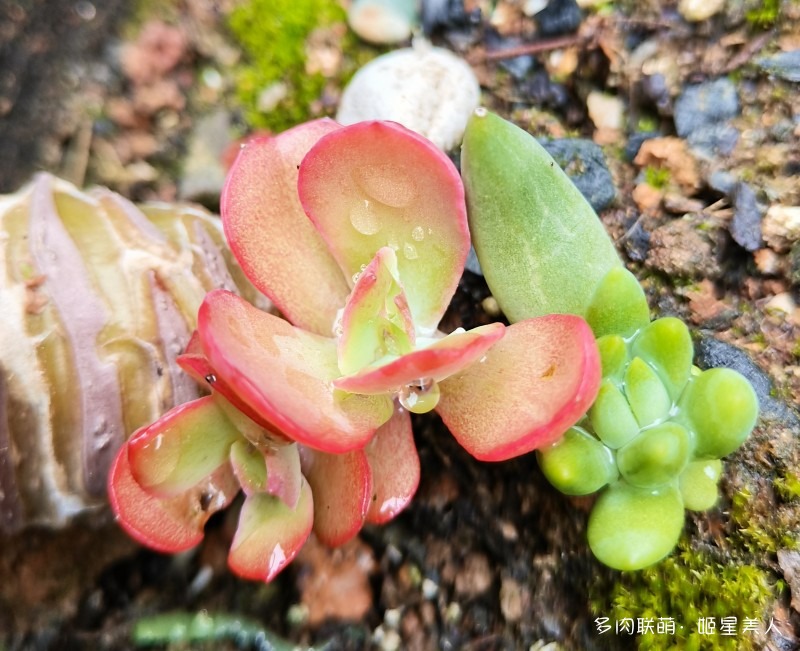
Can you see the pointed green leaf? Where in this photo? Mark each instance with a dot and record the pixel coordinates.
(667, 345)
(646, 393)
(611, 416)
(657, 456)
(541, 246)
(698, 484)
(613, 356)
(619, 306)
(249, 467)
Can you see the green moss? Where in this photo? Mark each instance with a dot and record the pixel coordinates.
(657, 177)
(273, 35)
(686, 587)
(788, 487)
(764, 14)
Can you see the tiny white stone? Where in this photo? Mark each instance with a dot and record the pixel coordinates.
(697, 10)
(383, 21)
(426, 89)
(605, 111)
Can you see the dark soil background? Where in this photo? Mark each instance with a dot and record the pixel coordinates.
(487, 556)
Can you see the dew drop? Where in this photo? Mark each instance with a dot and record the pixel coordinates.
(409, 251)
(418, 233)
(420, 397)
(211, 378)
(364, 219)
(481, 112)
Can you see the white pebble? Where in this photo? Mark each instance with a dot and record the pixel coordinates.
(383, 21)
(696, 10)
(426, 89)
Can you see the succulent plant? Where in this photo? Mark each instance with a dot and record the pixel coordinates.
(652, 441)
(98, 297)
(359, 236)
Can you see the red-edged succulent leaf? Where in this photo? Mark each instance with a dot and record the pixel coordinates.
(529, 389)
(270, 235)
(440, 360)
(285, 374)
(196, 365)
(342, 486)
(183, 447)
(376, 184)
(376, 320)
(270, 534)
(274, 470)
(394, 462)
(172, 524)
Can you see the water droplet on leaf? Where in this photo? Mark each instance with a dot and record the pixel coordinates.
(418, 233)
(410, 251)
(364, 219)
(420, 397)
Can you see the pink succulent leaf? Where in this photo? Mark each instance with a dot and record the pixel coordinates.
(342, 486)
(273, 240)
(260, 433)
(531, 387)
(441, 359)
(171, 524)
(395, 466)
(181, 448)
(270, 534)
(286, 375)
(249, 466)
(376, 184)
(376, 321)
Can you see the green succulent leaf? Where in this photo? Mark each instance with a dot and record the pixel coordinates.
(540, 244)
(722, 407)
(577, 464)
(611, 416)
(698, 484)
(619, 305)
(631, 528)
(249, 467)
(656, 456)
(613, 356)
(667, 345)
(646, 394)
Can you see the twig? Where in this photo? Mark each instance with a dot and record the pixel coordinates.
(747, 52)
(532, 48)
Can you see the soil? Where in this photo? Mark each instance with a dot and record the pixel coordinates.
(488, 556)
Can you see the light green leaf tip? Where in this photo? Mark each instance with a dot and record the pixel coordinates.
(618, 306)
(540, 244)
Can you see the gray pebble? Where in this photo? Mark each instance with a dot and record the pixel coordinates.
(745, 227)
(702, 112)
(584, 163)
(785, 65)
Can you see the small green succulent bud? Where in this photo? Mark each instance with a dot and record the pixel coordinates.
(698, 484)
(722, 408)
(611, 416)
(613, 356)
(667, 345)
(646, 394)
(618, 306)
(656, 456)
(631, 528)
(578, 464)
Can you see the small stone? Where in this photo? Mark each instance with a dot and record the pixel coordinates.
(606, 111)
(789, 562)
(680, 248)
(745, 227)
(445, 14)
(383, 22)
(511, 601)
(781, 227)
(472, 264)
(475, 577)
(783, 302)
(672, 154)
(647, 198)
(426, 89)
(767, 262)
(635, 142)
(584, 163)
(203, 172)
(533, 7)
(695, 11)
(722, 181)
(559, 17)
(156, 51)
(271, 96)
(429, 589)
(702, 112)
(785, 65)
(520, 66)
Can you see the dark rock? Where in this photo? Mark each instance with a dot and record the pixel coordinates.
(543, 91)
(701, 114)
(713, 353)
(785, 65)
(584, 163)
(518, 67)
(559, 17)
(685, 248)
(745, 227)
(636, 241)
(446, 14)
(635, 141)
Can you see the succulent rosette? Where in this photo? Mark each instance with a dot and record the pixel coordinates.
(358, 235)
